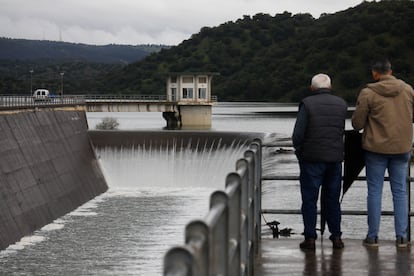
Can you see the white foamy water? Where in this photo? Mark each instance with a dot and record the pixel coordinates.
(31, 240)
(25, 241)
(56, 225)
(169, 168)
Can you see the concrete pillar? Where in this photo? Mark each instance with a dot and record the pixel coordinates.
(173, 119)
(195, 116)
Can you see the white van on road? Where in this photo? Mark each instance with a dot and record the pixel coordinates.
(41, 95)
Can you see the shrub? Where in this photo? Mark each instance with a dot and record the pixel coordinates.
(108, 124)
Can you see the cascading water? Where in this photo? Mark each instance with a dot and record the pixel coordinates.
(173, 166)
(157, 190)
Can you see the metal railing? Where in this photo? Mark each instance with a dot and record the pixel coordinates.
(125, 98)
(226, 241)
(13, 101)
(18, 101)
(136, 98)
(409, 179)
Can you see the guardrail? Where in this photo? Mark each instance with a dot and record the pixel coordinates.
(409, 179)
(17, 101)
(137, 98)
(114, 98)
(13, 101)
(226, 241)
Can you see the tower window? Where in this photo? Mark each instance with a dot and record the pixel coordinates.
(187, 93)
(202, 93)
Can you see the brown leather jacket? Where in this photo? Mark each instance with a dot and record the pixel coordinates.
(385, 111)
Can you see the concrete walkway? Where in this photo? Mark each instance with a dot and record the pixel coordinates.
(283, 257)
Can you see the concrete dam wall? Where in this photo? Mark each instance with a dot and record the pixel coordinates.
(47, 168)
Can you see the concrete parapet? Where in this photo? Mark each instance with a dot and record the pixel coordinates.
(160, 139)
(47, 168)
(130, 106)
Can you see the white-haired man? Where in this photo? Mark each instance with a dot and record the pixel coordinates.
(318, 141)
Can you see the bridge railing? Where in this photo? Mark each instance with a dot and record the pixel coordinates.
(23, 101)
(226, 241)
(15, 101)
(140, 98)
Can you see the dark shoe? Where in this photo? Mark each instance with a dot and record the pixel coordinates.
(401, 242)
(370, 242)
(337, 243)
(308, 244)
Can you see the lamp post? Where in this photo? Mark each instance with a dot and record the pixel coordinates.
(31, 82)
(61, 83)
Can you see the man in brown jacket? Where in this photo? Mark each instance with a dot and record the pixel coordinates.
(384, 111)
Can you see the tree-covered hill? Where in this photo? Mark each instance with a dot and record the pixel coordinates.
(272, 58)
(84, 66)
(24, 50)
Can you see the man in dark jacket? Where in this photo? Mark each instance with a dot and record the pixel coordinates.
(318, 141)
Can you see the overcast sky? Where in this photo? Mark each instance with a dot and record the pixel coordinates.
(138, 21)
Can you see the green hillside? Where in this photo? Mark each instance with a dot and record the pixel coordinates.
(84, 65)
(23, 49)
(272, 58)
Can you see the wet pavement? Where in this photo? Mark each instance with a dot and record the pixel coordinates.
(283, 257)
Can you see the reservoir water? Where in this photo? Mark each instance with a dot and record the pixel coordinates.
(154, 193)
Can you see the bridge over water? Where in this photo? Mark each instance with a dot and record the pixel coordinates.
(176, 113)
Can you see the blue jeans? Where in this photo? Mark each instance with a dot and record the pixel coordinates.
(313, 175)
(397, 165)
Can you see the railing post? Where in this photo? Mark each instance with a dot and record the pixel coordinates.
(197, 237)
(233, 188)
(246, 243)
(259, 185)
(249, 157)
(256, 154)
(219, 238)
(178, 261)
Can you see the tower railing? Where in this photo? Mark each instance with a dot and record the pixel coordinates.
(227, 240)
